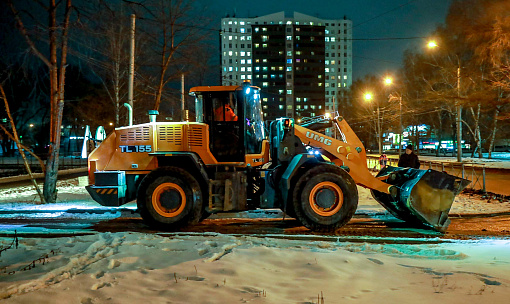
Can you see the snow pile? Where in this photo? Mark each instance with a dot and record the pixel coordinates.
(213, 268)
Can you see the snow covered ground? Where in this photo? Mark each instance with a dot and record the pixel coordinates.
(127, 267)
(213, 268)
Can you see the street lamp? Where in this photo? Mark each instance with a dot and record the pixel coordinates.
(389, 81)
(368, 98)
(431, 45)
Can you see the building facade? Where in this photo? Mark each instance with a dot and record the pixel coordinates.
(302, 64)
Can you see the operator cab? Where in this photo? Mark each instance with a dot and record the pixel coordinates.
(234, 116)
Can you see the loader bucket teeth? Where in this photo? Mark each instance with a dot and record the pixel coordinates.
(420, 196)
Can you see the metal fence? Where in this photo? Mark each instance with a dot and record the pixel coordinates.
(13, 165)
(474, 172)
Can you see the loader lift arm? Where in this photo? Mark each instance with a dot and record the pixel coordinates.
(349, 153)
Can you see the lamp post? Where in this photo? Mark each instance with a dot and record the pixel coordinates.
(388, 81)
(368, 97)
(431, 45)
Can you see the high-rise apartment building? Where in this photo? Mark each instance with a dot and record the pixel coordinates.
(303, 64)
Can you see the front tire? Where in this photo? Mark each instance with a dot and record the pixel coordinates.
(325, 198)
(169, 199)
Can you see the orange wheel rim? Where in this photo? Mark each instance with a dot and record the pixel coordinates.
(326, 198)
(179, 201)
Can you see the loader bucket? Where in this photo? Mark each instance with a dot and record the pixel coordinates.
(420, 196)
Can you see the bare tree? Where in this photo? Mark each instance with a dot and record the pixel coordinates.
(178, 29)
(56, 63)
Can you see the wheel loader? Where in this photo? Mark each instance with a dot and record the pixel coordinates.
(181, 172)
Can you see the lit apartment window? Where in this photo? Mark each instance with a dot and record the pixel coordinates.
(333, 77)
(306, 107)
(230, 22)
(249, 76)
(264, 106)
(248, 69)
(345, 76)
(224, 69)
(327, 32)
(289, 69)
(280, 91)
(248, 38)
(230, 53)
(243, 69)
(326, 39)
(333, 62)
(264, 45)
(243, 54)
(320, 107)
(327, 85)
(280, 107)
(229, 37)
(265, 38)
(298, 107)
(289, 22)
(264, 29)
(289, 37)
(339, 85)
(264, 76)
(289, 107)
(289, 53)
(243, 61)
(264, 60)
(230, 69)
(248, 61)
(289, 60)
(332, 39)
(273, 68)
(305, 99)
(265, 84)
(319, 76)
(320, 84)
(312, 107)
(242, 30)
(256, 45)
(298, 60)
(273, 76)
(326, 62)
(298, 52)
(257, 68)
(243, 77)
(312, 38)
(243, 38)
(264, 69)
(241, 22)
(280, 68)
(326, 70)
(248, 54)
(289, 92)
(256, 30)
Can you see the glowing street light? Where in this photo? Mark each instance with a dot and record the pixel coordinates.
(368, 96)
(432, 44)
(388, 81)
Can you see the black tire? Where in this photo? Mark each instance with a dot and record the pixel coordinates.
(325, 198)
(170, 198)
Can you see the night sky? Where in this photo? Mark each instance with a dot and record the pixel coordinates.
(371, 19)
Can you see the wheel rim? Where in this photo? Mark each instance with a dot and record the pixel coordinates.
(326, 198)
(169, 199)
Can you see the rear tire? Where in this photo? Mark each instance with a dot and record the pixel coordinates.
(325, 198)
(169, 199)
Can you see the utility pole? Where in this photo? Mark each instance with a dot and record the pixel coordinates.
(131, 65)
(183, 114)
(401, 135)
(459, 118)
(379, 135)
